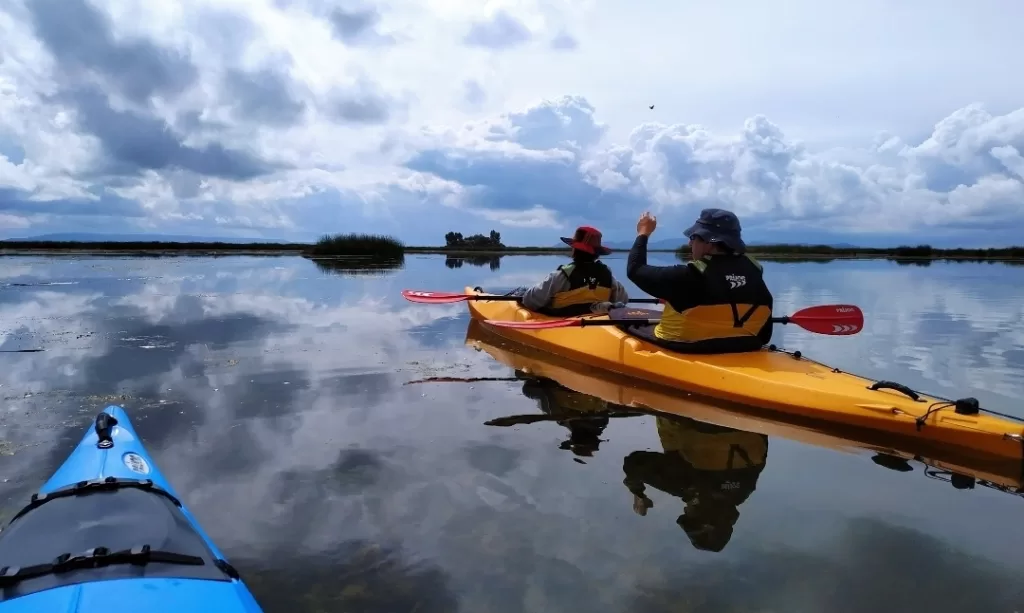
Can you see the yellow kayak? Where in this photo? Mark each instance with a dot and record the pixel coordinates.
(786, 383)
(891, 451)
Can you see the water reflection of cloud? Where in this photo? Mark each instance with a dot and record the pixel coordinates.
(12, 269)
(177, 336)
(285, 424)
(952, 334)
(62, 323)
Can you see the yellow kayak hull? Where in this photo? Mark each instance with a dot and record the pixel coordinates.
(774, 380)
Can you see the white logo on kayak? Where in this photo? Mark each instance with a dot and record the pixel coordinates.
(136, 463)
(736, 281)
(845, 327)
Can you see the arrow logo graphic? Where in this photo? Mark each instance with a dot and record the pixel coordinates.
(736, 281)
(845, 328)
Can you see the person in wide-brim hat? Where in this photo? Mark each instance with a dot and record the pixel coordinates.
(718, 302)
(586, 285)
(718, 226)
(588, 240)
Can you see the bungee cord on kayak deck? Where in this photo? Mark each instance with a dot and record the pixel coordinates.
(96, 557)
(935, 407)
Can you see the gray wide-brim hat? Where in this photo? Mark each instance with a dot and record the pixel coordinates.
(718, 226)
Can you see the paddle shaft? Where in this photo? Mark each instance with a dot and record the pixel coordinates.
(446, 297)
(488, 298)
(647, 322)
(830, 319)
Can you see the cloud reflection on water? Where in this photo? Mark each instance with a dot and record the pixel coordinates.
(272, 396)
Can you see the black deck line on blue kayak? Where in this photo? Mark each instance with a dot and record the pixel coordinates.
(93, 558)
(96, 485)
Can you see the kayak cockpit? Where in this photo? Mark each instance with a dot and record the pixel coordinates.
(99, 530)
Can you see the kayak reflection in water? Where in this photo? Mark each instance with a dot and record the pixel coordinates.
(583, 415)
(713, 469)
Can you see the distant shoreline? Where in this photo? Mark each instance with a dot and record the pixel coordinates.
(767, 252)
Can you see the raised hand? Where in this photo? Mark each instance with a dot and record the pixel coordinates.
(646, 224)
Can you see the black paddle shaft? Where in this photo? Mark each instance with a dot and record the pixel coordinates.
(486, 297)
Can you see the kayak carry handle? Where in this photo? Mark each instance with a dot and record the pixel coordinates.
(899, 387)
(105, 422)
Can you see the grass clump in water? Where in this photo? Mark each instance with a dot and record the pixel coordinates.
(375, 245)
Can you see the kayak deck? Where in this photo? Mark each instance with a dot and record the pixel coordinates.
(770, 379)
(107, 532)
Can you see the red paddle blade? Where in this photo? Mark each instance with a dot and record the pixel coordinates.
(432, 297)
(535, 325)
(831, 319)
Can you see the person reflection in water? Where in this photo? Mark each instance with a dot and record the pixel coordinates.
(584, 416)
(711, 468)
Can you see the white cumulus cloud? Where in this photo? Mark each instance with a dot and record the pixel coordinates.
(290, 118)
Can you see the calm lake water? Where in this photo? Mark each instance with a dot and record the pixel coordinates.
(282, 401)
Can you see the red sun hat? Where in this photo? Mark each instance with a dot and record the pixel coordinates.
(587, 239)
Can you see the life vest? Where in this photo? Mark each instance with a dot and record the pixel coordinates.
(710, 448)
(568, 400)
(589, 282)
(727, 315)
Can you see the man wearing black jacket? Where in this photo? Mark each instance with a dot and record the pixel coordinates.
(715, 303)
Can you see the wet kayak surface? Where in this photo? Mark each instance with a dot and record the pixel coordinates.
(345, 448)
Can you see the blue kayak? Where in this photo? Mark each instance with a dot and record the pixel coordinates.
(108, 534)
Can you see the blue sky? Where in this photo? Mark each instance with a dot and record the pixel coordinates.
(868, 122)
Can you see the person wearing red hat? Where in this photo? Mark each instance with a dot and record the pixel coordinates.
(586, 285)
